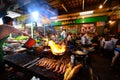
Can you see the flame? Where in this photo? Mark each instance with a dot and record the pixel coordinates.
(57, 49)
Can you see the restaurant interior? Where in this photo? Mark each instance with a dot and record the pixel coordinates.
(68, 40)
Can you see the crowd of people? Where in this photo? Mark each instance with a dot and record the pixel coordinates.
(106, 44)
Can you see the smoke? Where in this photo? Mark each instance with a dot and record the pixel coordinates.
(42, 7)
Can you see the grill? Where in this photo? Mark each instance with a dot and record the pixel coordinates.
(29, 62)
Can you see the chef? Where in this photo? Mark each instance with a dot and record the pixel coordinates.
(5, 30)
(63, 36)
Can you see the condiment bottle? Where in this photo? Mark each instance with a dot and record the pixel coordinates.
(72, 57)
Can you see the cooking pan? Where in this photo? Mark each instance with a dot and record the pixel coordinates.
(29, 43)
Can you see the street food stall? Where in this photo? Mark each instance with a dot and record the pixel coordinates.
(51, 63)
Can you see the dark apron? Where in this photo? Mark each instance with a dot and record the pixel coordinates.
(2, 53)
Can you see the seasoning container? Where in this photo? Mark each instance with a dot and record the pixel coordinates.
(72, 58)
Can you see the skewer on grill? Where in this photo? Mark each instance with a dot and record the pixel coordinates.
(61, 68)
(50, 62)
(51, 66)
(41, 62)
(57, 68)
(64, 69)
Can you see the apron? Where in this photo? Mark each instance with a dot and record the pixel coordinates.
(1, 49)
(61, 38)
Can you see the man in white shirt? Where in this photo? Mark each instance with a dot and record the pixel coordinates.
(64, 34)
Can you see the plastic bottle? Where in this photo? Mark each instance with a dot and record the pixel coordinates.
(72, 57)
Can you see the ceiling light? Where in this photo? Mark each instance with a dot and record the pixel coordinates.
(86, 12)
(101, 6)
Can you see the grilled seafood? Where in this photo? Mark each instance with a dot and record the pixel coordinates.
(52, 64)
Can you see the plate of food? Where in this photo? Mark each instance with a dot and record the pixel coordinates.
(78, 52)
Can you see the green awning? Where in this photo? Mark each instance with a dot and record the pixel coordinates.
(91, 19)
(58, 23)
(81, 20)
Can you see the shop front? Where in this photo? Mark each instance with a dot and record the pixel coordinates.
(82, 25)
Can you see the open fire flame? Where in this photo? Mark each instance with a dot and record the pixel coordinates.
(56, 49)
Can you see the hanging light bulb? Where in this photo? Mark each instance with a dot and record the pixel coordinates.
(101, 6)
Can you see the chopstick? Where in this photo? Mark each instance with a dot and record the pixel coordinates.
(31, 62)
